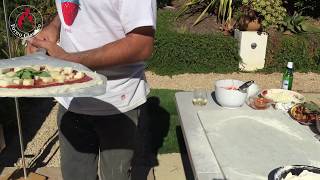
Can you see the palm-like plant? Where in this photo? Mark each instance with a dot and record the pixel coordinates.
(223, 7)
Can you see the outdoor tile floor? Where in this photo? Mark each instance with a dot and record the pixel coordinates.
(170, 168)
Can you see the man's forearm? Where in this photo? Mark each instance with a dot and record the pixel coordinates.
(135, 46)
(131, 49)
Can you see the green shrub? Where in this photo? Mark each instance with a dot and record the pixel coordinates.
(191, 53)
(272, 11)
(307, 7)
(177, 53)
(317, 56)
(302, 50)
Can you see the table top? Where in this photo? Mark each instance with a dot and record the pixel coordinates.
(203, 159)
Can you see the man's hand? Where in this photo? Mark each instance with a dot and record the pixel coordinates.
(49, 33)
(52, 48)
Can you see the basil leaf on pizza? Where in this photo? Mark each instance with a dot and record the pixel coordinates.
(43, 74)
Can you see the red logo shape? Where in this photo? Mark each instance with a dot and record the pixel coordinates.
(70, 12)
(25, 14)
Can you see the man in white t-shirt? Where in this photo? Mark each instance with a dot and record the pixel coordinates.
(112, 37)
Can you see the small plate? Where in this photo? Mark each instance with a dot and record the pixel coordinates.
(282, 172)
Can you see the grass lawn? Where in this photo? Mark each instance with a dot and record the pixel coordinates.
(164, 120)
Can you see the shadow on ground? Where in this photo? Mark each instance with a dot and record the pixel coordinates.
(159, 123)
(159, 127)
(153, 130)
(33, 113)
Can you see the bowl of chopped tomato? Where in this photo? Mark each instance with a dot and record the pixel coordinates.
(228, 95)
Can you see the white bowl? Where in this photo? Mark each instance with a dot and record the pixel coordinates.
(229, 98)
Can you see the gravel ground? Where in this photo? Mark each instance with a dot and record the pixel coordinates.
(45, 144)
(43, 148)
(303, 82)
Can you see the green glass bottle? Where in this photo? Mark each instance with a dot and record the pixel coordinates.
(287, 78)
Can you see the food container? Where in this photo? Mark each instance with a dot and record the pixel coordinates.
(282, 172)
(227, 95)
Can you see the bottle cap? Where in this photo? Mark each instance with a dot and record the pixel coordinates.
(290, 65)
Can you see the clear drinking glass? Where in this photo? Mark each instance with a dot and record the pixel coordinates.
(200, 97)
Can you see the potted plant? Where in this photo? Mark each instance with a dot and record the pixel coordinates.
(248, 19)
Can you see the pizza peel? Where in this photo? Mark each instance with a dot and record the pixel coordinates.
(40, 58)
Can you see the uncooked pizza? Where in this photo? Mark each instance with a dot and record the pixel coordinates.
(45, 79)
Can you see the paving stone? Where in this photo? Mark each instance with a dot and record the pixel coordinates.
(170, 168)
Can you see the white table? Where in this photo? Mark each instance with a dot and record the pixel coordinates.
(202, 158)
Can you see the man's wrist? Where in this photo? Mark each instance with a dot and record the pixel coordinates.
(73, 57)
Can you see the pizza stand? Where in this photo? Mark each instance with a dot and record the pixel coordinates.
(40, 58)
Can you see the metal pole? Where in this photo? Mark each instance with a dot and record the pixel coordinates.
(15, 99)
(21, 138)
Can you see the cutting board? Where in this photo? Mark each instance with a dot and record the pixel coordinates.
(249, 144)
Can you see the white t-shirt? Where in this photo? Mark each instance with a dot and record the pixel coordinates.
(100, 22)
